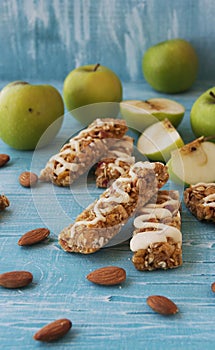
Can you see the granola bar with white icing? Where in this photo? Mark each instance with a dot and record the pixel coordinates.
(157, 238)
(82, 151)
(116, 162)
(200, 200)
(104, 218)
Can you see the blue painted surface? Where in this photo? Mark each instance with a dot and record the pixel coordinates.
(45, 39)
(42, 41)
(103, 317)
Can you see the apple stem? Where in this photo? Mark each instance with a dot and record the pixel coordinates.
(212, 94)
(96, 67)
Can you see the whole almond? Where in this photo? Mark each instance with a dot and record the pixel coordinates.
(213, 287)
(15, 279)
(34, 236)
(162, 305)
(109, 275)
(4, 158)
(4, 202)
(28, 179)
(53, 330)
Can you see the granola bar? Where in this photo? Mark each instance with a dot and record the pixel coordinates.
(157, 239)
(200, 200)
(82, 151)
(4, 202)
(116, 162)
(104, 218)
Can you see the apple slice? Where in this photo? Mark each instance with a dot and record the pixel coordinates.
(141, 114)
(158, 140)
(193, 163)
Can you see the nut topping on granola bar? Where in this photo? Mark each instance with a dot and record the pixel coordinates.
(200, 200)
(116, 162)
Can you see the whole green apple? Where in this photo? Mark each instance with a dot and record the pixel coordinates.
(170, 66)
(202, 116)
(92, 84)
(27, 111)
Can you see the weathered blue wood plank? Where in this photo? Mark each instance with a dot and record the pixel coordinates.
(107, 318)
(46, 39)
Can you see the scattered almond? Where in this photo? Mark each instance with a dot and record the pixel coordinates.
(15, 279)
(213, 287)
(162, 305)
(4, 202)
(28, 179)
(4, 158)
(34, 236)
(109, 275)
(53, 330)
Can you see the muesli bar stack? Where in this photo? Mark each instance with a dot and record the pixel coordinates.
(116, 162)
(104, 218)
(200, 200)
(157, 238)
(82, 151)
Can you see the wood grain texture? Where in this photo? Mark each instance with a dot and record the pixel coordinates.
(114, 317)
(44, 40)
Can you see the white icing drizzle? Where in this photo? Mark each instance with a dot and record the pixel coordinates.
(98, 122)
(157, 213)
(160, 231)
(73, 147)
(209, 201)
(119, 196)
(143, 240)
(116, 165)
(206, 184)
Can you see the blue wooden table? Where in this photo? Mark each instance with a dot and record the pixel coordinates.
(114, 317)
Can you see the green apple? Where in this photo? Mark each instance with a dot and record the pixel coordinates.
(159, 140)
(92, 84)
(141, 114)
(27, 111)
(193, 163)
(170, 66)
(202, 116)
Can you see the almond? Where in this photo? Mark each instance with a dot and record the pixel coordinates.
(28, 179)
(34, 236)
(162, 305)
(213, 287)
(4, 158)
(4, 202)
(109, 275)
(15, 279)
(53, 330)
